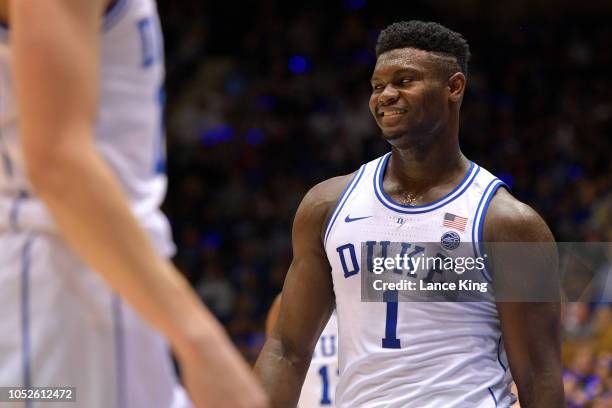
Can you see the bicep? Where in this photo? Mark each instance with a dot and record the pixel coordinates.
(522, 253)
(526, 285)
(55, 63)
(306, 304)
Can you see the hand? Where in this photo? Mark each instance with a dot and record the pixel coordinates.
(216, 376)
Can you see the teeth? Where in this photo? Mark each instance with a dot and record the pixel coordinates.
(391, 113)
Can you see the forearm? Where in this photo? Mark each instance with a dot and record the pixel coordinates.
(548, 391)
(92, 214)
(545, 391)
(533, 343)
(281, 374)
(543, 385)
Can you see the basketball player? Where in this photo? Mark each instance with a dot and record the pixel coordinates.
(412, 354)
(320, 383)
(81, 181)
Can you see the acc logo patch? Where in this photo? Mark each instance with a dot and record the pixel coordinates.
(450, 240)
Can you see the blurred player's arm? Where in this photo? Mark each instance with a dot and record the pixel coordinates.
(307, 300)
(531, 330)
(55, 55)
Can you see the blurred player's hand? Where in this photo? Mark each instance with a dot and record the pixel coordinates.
(216, 376)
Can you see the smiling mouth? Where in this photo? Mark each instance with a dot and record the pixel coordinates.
(392, 113)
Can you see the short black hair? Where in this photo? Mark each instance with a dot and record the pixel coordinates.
(426, 36)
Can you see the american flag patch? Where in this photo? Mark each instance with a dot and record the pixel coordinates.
(454, 221)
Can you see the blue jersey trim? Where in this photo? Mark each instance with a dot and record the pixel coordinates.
(119, 350)
(498, 356)
(420, 209)
(492, 395)
(476, 217)
(479, 222)
(486, 206)
(383, 167)
(25, 315)
(347, 192)
(14, 212)
(160, 153)
(114, 14)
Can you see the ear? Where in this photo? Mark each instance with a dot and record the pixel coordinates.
(456, 87)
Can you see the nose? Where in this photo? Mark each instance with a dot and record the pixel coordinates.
(388, 95)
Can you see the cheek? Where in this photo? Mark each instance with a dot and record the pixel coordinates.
(372, 104)
(434, 101)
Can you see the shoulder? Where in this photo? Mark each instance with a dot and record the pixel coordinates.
(319, 202)
(510, 220)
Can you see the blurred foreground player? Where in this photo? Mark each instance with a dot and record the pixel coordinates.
(81, 181)
(319, 388)
(417, 354)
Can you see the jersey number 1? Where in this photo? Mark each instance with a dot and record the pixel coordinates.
(390, 340)
(323, 372)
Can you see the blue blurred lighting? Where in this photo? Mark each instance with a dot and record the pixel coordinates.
(365, 57)
(354, 4)
(254, 136)
(574, 172)
(298, 64)
(235, 85)
(266, 102)
(217, 134)
(211, 240)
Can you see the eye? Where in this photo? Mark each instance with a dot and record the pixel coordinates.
(405, 80)
(377, 87)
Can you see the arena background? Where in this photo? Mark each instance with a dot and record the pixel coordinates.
(267, 98)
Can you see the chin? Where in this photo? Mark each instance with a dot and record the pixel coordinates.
(391, 132)
(404, 140)
(395, 134)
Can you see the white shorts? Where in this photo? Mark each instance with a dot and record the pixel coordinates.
(61, 326)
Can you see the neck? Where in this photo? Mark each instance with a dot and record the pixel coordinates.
(417, 168)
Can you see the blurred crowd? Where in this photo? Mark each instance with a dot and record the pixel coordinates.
(266, 101)
(587, 355)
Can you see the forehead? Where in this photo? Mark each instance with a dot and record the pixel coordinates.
(404, 58)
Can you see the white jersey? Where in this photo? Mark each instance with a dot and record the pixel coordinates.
(319, 387)
(62, 325)
(129, 135)
(413, 354)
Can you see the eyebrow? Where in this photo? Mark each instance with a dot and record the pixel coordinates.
(399, 72)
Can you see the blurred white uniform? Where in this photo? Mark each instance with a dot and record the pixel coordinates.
(413, 354)
(61, 325)
(319, 387)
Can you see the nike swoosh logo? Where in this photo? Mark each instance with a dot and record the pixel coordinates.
(349, 219)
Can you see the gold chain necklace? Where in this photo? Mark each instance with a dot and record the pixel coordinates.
(410, 199)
